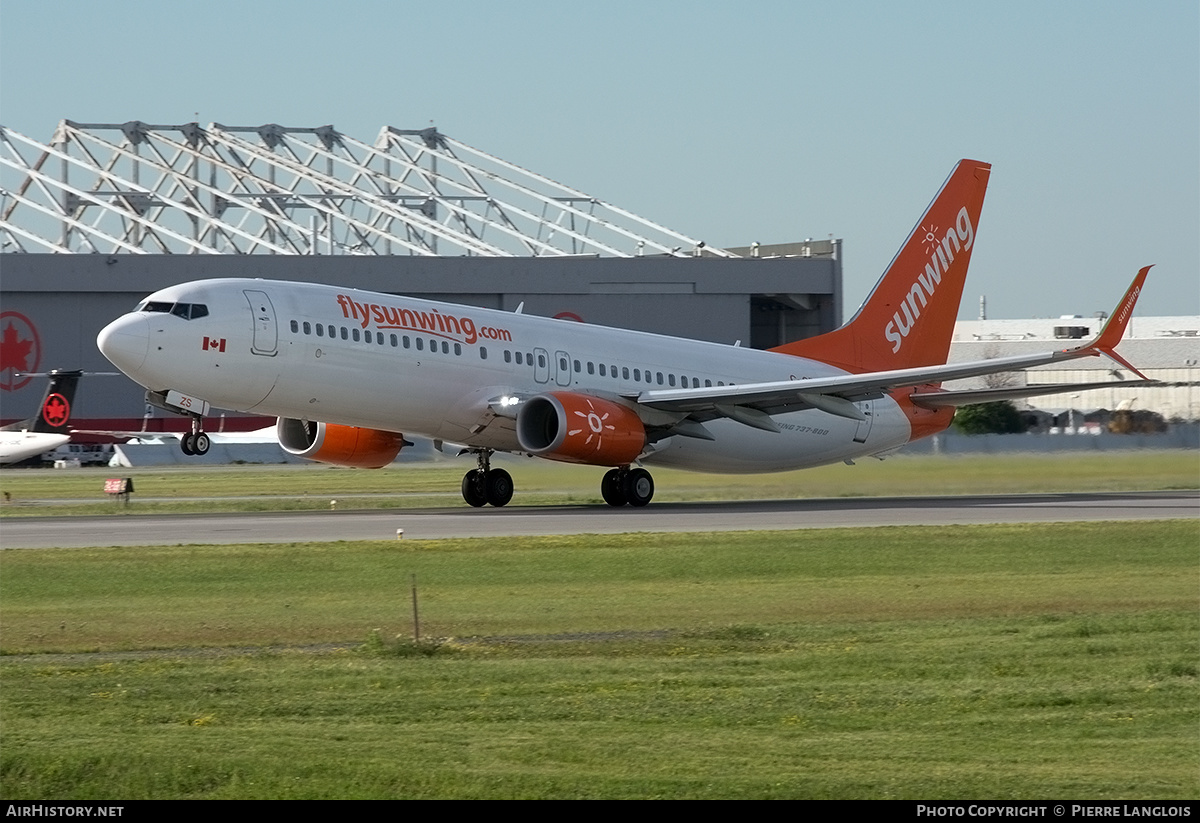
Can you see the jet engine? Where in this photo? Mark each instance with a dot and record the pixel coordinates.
(339, 445)
(577, 428)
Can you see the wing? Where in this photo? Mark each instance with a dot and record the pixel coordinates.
(754, 403)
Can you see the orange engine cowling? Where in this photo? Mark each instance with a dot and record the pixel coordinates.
(576, 428)
(339, 445)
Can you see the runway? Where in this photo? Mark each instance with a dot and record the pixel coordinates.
(436, 523)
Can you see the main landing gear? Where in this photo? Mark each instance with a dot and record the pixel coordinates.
(196, 441)
(626, 485)
(485, 485)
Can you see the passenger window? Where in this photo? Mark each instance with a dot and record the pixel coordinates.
(420, 344)
(624, 372)
(406, 341)
(520, 359)
(708, 384)
(320, 330)
(307, 327)
(541, 361)
(602, 374)
(562, 364)
(394, 341)
(591, 367)
(445, 347)
(577, 367)
(457, 349)
(660, 377)
(345, 333)
(354, 332)
(637, 375)
(670, 380)
(295, 326)
(507, 356)
(483, 352)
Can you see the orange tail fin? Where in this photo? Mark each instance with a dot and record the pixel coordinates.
(908, 320)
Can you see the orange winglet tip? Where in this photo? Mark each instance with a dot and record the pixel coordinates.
(1106, 342)
(1114, 329)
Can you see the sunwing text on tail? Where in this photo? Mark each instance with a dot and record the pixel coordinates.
(350, 373)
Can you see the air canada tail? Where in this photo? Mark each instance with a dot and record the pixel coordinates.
(54, 413)
(908, 320)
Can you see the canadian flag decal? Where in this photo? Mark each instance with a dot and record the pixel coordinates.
(213, 344)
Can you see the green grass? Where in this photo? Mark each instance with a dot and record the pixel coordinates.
(279, 488)
(949, 662)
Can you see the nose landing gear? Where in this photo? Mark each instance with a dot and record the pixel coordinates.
(195, 442)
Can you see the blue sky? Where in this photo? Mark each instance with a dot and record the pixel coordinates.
(729, 121)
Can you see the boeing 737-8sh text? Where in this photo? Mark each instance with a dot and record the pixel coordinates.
(349, 373)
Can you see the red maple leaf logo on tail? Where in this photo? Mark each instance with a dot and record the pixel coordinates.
(56, 410)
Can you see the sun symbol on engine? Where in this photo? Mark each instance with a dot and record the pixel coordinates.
(931, 238)
(596, 424)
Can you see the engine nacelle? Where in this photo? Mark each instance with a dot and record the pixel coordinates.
(339, 445)
(576, 428)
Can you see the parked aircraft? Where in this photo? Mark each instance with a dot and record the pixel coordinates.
(348, 372)
(49, 429)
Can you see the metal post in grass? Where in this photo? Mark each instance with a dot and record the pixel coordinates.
(416, 616)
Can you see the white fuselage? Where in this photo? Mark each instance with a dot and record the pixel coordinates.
(16, 446)
(436, 369)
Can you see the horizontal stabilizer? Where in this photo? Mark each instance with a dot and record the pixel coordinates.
(940, 399)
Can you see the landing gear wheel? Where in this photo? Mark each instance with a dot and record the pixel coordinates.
(200, 443)
(638, 486)
(472, 488)
(498, 487)
(610, 488)
(187, 444)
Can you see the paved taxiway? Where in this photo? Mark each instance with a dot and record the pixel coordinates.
(286, 527)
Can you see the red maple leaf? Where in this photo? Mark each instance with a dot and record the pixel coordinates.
(56, 411)
(14, 352)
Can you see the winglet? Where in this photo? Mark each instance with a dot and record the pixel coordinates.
(1106, 342)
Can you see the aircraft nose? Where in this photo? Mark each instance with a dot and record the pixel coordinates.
(125, 342)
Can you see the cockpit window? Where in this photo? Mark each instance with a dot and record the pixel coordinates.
(188, 311)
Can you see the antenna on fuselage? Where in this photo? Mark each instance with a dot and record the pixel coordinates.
(520, 307)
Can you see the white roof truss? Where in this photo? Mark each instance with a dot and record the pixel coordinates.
(133, 187)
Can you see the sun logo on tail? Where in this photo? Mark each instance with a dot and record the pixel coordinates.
(931, 238)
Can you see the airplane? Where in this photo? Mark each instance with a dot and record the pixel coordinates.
(48, 430)
(348, 373)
